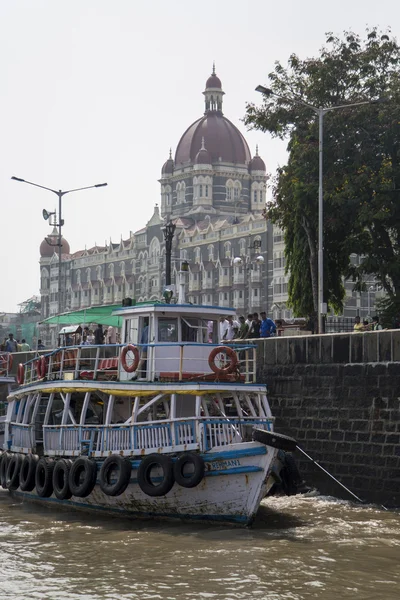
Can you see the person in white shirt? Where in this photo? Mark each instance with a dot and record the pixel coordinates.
(111, 335)
(233, 328)
(249, 323)
(223, 328)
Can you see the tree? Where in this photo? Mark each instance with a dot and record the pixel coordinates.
(361, 165)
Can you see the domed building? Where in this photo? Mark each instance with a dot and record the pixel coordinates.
(213, 172)
(213, 190)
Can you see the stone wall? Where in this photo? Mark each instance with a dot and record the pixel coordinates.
(339, 396)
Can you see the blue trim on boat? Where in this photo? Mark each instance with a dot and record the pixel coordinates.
(233, 471)
(67, 503)
(256, 451)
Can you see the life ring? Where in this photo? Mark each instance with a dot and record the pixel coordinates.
(20, 374)
(115, 474)
(27, 472)
(41, 367)
(130, 368)
(276, 440)
(5, 457)
(61, 472)
(231, 355)
(193, 478)
(163, 463)
(44, 477)
(82, 476)
(13, 469)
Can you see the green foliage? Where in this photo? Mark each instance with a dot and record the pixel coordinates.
(388, 309)
(361, 164)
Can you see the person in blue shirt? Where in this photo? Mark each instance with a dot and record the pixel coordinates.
(268, 327)
(11, 345)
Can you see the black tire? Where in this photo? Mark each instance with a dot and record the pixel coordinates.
(27, 472)
(144, 475)
(13, 469)
(189, 481)
(123, 467)
(3, 468)
(44, 477)
(275, 440)
(61, 471)
(82, 476)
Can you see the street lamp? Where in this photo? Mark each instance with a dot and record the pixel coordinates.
(60, 223)
(248, 262)
(168, 231)
(321, 112)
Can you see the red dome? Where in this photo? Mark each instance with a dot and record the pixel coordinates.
(223, 141)
(168, 167)
(214, 82)
(257, 164)
(47, 250)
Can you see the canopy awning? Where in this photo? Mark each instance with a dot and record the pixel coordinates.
(95, 314)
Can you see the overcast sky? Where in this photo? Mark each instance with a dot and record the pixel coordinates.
(97, 91)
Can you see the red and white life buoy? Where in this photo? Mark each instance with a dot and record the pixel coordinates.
(132, 367)
(20, 374)
(230, 354)
(41, 367)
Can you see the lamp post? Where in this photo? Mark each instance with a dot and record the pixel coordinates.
(60, 223)
(320, 112)
(168, 232)
(249, 261)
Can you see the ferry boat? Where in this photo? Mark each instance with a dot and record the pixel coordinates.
(168, 424)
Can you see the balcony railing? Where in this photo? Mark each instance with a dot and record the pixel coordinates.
(203, 433)
(179, 361)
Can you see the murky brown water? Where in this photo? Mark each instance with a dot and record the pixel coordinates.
(299, 548)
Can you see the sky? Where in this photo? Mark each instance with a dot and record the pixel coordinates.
(97, 91)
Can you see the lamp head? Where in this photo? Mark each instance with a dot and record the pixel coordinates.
(264, 90)
(167, 295)
(46, 214)
(260, 260)
(237, 261)
(185, 266)
(18, 179)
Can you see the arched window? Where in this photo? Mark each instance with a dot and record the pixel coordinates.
(99, 274)
(210, 250)
(242, 247)
(197, 254)
(78, 277)
(180, 192)
(237, 190)
(154, 251)
(229, 189)
(227, 249)
(111, 271)
(122, 268)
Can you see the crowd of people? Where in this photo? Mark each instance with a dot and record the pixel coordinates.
(250, 328)
(366, 325)
(10, 344)
(93, 337)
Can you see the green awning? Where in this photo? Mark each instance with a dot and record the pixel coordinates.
(95, 314)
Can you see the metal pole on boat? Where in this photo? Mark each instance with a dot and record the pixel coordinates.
(168, 232)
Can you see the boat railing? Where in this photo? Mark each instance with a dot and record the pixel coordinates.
(203, 433)
(180, 361)
(6, 361)
(21, 436)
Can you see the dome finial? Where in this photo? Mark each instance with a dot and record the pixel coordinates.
(170, 153)
(256, 149)
(202, 143)
(213, 71)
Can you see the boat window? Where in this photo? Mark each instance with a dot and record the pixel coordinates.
(167, 329)
(196, 330)
(122, 410)
(131, 330)
(75, 409)
(57, 409)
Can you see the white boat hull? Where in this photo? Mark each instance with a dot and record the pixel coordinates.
(236, 479)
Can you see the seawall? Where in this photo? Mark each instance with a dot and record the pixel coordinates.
(339, 396)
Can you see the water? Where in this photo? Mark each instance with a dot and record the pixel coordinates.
(300, 547)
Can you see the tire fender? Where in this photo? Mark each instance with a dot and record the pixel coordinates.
(198, 474)
(113, 463)
(82, 476)
(144, 475)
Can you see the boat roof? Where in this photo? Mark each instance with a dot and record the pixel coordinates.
(200, 310)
